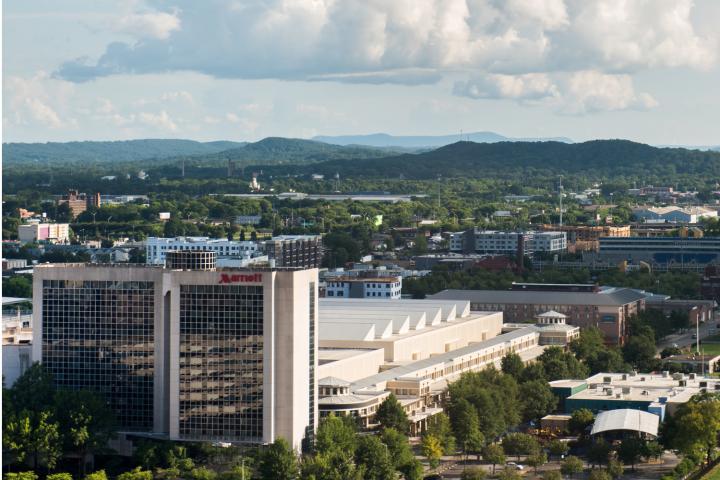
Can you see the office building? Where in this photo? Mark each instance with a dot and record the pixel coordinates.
(662, 253)
(552, 327)
(303, 251)
(155, 248)
(207, 354)
(44, 232)
(79, 202)
(507, 243)
(16, 340)
(364, 287)
(607, 309)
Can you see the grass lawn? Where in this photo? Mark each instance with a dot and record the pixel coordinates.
(713, 474)
(710, 348)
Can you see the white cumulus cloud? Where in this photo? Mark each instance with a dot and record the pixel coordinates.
(148, 25)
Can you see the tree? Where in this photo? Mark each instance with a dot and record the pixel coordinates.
(580, 420)
(336, 434)
(99, 475)
(33, 436)
(599, 453)
(374, 457)
(439, 425)
(432, 450)
(512, 365)
(599, 475)
(466, 426)
(639, 351)
(23, 476)
(558, 448)
(558, 364)
(33, 390)
(204, 473)
(590, 342)
(238, 472)
(509, 474)
(694, 428)
(494, 454)
(520, 444)
(136, 474)
(278, 461)
(630, 451)
(59, 476)
(537, 400)
(421, 245)
(571, 465)
(390, 414)
(398, 447)
(86, 421)
(615, 468)
(473, 473)
(552, 475)
(652, 450)
(537, 459)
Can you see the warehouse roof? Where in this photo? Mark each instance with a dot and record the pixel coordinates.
(613, 297)
(626, 419)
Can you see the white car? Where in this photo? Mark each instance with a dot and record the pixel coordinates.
(514, 465)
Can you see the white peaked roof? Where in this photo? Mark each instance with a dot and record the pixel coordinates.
(552, 314)
(333, 382)
(626, 419)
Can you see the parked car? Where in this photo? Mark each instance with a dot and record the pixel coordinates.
(515, 466)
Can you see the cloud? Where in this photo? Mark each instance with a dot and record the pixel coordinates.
(574, 94)
(177, 96)
(160, 121)
(43, 113)
(593, 92)
(404, 41)
(157, 25)
(531, 86)
(38, 99)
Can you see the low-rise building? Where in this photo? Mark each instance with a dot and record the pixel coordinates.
(674, 214)
(660, 394)
(607, 309)
(497, 242)
(79, 202)
(364, 287)
(697, 363)
(552, 327)
(44, 232)
(156, 248)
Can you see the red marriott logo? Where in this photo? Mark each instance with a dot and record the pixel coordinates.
(240, 278)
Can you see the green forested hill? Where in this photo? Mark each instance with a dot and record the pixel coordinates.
(102, 152)
(599, 158)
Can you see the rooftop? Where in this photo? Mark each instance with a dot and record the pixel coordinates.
(616, 297)
(626, 419)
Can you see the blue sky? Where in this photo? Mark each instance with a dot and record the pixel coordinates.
(646, 70)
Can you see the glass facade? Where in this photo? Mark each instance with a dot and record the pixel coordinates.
(311, 364)
(99, 336)
(221, 362)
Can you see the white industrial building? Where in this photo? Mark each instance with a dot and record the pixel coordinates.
(156, 247)
(412, 348)
(186, 351)
(674, 214)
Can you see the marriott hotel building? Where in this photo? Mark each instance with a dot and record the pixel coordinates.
(185, 351)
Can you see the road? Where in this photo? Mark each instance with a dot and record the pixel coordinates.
(685, 339)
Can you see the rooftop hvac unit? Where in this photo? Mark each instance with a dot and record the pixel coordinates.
(692, 376)
(633, 373)
(618, 395)
(677, 376)
(665, 373)
(717, 386)
(609, 392)
(607, 379)
(642, 379)
(662, 399)
(624, 377)
(626, 390)
(682, 383)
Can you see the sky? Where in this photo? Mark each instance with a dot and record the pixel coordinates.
(644, 70)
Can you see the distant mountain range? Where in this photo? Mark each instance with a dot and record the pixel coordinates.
(416, 141)
(116, 151)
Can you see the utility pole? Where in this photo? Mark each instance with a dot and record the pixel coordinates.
(560, 193)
